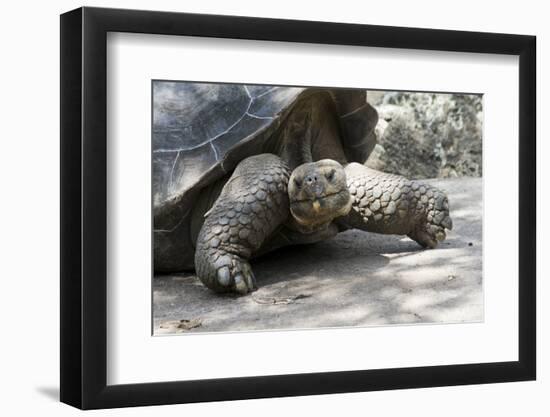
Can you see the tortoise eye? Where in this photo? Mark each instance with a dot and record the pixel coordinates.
(330, 175)
(297, 182)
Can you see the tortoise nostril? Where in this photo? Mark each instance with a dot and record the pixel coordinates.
(310, 179)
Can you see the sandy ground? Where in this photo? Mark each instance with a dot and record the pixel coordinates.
(354, 279)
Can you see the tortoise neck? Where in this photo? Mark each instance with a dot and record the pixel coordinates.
(311, 133)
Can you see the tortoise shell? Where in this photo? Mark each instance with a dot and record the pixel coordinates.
(196, 125)
(201, 131)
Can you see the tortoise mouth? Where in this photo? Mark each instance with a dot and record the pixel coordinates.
(321, 210)
(320, 198)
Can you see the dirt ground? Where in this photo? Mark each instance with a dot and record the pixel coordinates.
(354, 279)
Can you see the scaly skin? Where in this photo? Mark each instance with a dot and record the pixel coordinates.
(246, 218)
(391, 204)
(252, 204)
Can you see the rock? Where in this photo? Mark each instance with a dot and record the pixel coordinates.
(428, 135)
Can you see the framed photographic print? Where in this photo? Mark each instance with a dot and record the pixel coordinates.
(257, 208)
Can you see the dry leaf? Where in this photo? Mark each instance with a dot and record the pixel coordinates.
(182, 325)
(280, 300)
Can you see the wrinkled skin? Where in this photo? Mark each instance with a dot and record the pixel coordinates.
(304, 189)
(305, 206)
(318, 193)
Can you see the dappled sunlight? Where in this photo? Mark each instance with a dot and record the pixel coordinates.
(354, 279)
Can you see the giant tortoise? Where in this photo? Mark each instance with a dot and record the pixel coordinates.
(240, 170)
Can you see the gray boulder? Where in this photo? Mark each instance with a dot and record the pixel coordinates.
(428, 135)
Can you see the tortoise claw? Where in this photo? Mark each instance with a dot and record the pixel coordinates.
(431, 229)
(240, 285)
(230, 273)
(224, 276)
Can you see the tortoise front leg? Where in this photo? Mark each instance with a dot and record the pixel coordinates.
(391, 204)
(251, 205)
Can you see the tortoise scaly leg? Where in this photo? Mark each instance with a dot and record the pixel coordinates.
(391, 204)
(251, 205)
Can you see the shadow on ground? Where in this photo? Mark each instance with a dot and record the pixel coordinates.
(354, 279)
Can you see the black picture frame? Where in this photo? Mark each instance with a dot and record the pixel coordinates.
(84, 207)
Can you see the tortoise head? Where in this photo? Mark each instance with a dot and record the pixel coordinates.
(318, 193)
